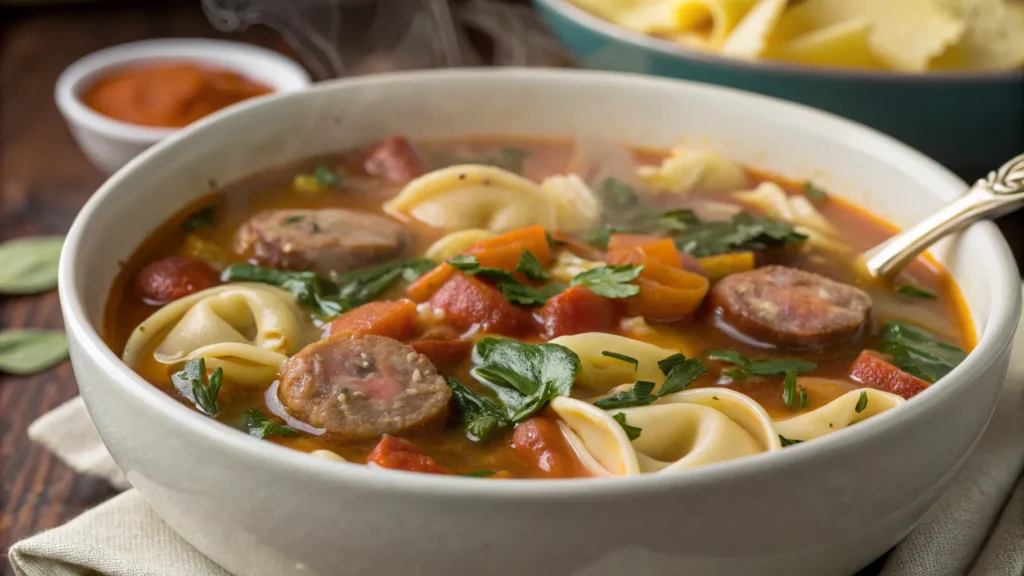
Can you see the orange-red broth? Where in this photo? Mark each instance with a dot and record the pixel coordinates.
(450, 448)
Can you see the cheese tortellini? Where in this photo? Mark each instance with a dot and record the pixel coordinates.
(600, 373)
(687, 170)
(771, 199)
(246, 329)
(680, 431)
(490, 198)
(838, 414)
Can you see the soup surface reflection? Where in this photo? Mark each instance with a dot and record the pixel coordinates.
(529, 308)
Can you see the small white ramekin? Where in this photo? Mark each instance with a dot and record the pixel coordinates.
(110, 144)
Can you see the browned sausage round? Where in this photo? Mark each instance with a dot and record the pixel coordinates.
(791, 308)
(174, 277)
(360, 388)
(327, 240)
(394, 160)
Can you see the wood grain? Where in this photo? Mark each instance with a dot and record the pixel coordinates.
(44, 180)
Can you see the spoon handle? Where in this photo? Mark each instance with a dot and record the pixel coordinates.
(1002, 191)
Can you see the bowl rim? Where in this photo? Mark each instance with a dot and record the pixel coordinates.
(592, 22)
(1003, 316)
(223, 54)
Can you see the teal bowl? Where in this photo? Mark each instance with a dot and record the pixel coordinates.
(969, 121)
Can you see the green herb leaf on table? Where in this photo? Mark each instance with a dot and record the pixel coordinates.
(260, 425)
(610, 281)
(917, 351)
(760, 367)
(193, 383)
(523, 376)
(632, 432)
(530, 267)
(481, 415)
(24, 352)
(201, 218)
(29, 265)
(862, 403)
(814, 192)
(638, 395)
(787, 442)
(681, 372)
(623, 357)
(914, 292)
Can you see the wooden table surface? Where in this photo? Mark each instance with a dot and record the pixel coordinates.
(44, 180)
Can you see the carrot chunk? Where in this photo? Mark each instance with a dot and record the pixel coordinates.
(661, 249)
(667, 293)
(424, 287)
(575, 311)
(467, 301)
(397, 454)
(392, 319)
(504, 251)
(540, 442)
(874, 370)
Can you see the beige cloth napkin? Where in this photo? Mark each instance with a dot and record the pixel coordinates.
(977, 528)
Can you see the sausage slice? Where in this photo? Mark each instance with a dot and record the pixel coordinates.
(326, 240)
(791, 308)
(395, 160)
(360, 388)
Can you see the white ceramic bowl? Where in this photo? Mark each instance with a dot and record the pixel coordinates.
(824, 507)
(109, 143)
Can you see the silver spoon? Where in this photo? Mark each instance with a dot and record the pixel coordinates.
(1001, 192)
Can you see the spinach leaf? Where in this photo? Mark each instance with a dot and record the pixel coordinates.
(260, 425)
(530, 267)
(523, 376)
(632, 432)
(917, 351)
(638, 395)
(610, 281)
(201, 218)
(482, 416)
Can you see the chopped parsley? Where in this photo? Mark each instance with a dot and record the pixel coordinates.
(744, 232)
(479, 473)
(192, 382)
(260, 425)
(610, 281)
(766, 367)
(530, 267)
(512, 159)
(794, 396)
(623, 357)
(599, 237)
(917, 351)
(524, 377)
(201, 218)
(638, 395)
(915, 292)
(680, 372)
(814, 192)
(787, 442)
(293, 219)
(676, 220)
(632, 432)
(862, 402)
(616, 193)
(552, 243)
(325, 177)
(513, 290)
(470, 265)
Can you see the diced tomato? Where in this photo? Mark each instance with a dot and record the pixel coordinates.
(174, 277)
(445, 355)
(874, 370)
(467, 301)
(541, 443)
(397, 454)
(575, 311)
(504, 251)
(392, 319)
(667, 293)
(424, 287)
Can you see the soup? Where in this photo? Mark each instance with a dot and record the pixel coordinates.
(527, 308)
